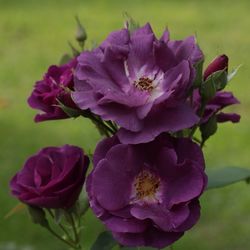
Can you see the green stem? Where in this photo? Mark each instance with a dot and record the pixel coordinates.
(60, 238)
(62, 227)
(103, 125)
(112, 125)
(101, 130)
(107, 129)
(74, 228)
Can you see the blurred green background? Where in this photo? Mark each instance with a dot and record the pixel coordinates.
(34, 34)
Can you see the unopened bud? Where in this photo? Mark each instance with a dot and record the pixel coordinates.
(81, 34)
(219, 63)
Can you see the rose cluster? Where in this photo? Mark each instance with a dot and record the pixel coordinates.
(150, 96)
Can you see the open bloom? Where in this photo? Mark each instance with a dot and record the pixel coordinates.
(52, 178)
(139, 82)
(55, 86)
(147, 194)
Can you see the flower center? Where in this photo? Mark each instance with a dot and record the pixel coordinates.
(145, 187)
(144, 83)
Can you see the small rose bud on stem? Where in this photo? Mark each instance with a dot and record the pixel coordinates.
(81, 35)
(219, 63)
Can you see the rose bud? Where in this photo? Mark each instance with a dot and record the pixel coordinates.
(55, 87)
(219, 63)
(52, 178)
(81, 35)
(150, 198)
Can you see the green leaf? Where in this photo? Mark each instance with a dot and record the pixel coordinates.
(38, 216)
(83, 203)
(199, 75)
(81, 206)
(215, 82)
(219, 78)
(104, 241)
(69, 111)
(58, 215)
(225, 176)
(207, 90)
(209, 128)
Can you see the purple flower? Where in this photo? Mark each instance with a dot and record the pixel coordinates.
(139, 82)
(219, 63)
(221, 100)
(52, 178)
(147, 194)
(56, 85)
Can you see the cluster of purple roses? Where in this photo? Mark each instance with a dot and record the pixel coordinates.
(148, 174)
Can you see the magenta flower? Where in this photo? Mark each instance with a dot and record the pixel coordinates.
(147, 194)
(139, 82)
(56, 86)
(52, 178)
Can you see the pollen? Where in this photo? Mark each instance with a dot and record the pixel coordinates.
(146, 185)
(144, 83)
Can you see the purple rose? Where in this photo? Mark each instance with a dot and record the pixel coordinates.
(219, 63)
(147, 194)
(52, 178)
(139, 82)
(221, 100)
(57, 84)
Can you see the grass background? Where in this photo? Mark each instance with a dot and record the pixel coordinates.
(34, 34)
